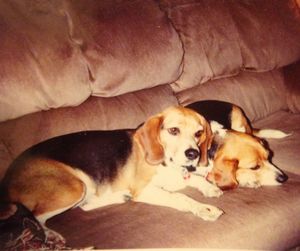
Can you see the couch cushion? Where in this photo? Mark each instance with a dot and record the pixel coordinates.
(125, 111)
(40, 68)
(263, 219)
(259, 94)
(128, 45)
(267, 43)
(210, 50)
(221, 38)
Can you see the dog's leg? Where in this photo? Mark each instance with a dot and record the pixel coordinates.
(208, 189)
(156, 196)
(108, 198)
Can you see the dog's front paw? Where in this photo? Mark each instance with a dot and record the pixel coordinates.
(211, 190)
(207, 212)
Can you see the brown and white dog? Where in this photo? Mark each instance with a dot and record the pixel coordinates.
(92, 169)
(238, 155)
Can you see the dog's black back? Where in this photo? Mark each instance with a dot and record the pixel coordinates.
(214, 110)
(97, 153)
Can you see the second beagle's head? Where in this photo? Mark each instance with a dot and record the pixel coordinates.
(174, 138)
(243, 160)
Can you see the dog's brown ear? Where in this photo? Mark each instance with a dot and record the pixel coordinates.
(205, 141)
(223, 173)
(148, 137)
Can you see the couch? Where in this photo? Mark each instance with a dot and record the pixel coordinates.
(69, 66)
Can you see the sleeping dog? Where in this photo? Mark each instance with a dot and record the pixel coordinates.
(92, 169)
(238, 155)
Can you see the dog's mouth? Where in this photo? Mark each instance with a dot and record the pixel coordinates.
(190, 168)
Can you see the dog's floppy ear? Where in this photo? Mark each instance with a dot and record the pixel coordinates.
(205, 141)
(148, 137)
(223, 173)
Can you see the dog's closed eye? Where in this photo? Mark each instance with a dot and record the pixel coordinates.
(255, 167)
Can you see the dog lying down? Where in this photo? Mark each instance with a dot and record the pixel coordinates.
(237, 154)
(92, 169)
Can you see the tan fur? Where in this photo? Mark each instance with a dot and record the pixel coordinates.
(239, 121)
(242, 159)
(44, 185)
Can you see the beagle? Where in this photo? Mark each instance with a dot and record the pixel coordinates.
(237, 157)
(241, 159)
(91, 169)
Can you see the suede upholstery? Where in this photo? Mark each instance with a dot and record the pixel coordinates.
(69, 66)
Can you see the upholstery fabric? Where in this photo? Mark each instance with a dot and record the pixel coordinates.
(125, 111)
(269, 33)
(128, 45)
(216, 55)
(221, 38)
(40, 68)
(58, 53)
(259, 94)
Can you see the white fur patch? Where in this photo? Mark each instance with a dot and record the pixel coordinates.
(272, 134)
(217, 128)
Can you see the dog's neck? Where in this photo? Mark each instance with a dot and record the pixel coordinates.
(219, 134)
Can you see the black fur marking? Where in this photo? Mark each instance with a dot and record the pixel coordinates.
(219, 111)
(213, 149)
(97, 153)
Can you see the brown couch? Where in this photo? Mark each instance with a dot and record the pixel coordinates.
(67, 66)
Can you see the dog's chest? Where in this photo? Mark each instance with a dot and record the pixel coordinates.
(169, 178)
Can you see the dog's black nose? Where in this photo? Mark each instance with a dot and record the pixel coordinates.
(192, 154)
(281, 178)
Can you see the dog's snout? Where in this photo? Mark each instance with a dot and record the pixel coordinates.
(281, 178)
(192, 154)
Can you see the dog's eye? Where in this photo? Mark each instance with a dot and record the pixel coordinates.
(198, 133)
(255, 168)
(174, 131)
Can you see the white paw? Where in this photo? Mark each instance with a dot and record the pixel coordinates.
(207, 212)
(211, 191)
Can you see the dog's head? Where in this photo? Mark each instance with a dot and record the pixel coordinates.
(174, 138)
(244, 160)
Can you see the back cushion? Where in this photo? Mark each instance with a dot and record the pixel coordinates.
(222, 38)
(40, 68)
(57, 53)
(127, 45)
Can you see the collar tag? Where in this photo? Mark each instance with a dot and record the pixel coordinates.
(185, 174)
